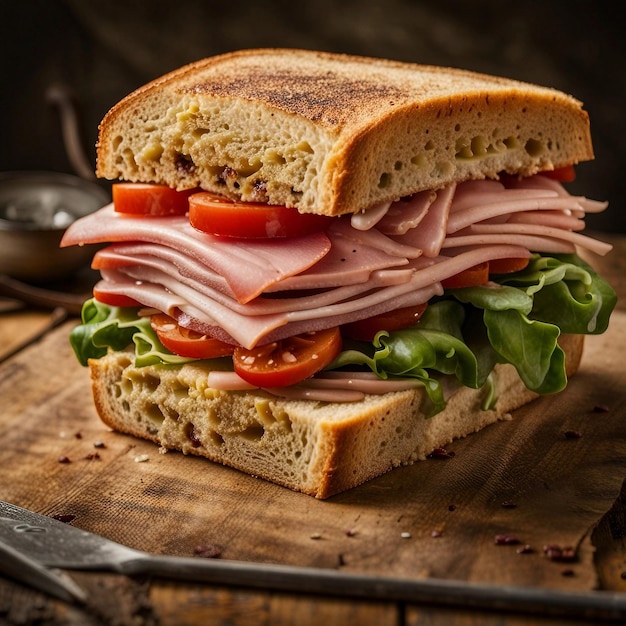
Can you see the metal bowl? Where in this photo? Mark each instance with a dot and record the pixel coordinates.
(35, 210)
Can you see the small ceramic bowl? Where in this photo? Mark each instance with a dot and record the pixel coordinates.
(35, 210)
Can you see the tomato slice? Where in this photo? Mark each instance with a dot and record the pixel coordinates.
(565, 174)
(507, 266)
(114, 299)
(150, 199)
(217, 215)
(365, 330)
(288, 361)
(471, 277)
(185, 342)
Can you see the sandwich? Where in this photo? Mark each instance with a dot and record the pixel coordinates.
(318, 267)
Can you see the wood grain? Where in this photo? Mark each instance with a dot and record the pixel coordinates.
(19, 327)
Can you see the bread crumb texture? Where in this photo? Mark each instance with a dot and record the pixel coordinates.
(332, 134)
(317, 448)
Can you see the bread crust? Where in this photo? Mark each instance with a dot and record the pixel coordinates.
(333, 134)
(320, 449)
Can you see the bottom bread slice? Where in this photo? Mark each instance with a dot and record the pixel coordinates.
(317, 448)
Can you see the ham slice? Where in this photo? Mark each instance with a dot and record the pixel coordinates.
(155, 255)
(352, 259)
(266, 261)
(507, 203)
(530, 242)
(431, 233)
(567, 240)
(556, 219)
(543, 182)
(348, 262)
(468, 192)
(154, 269)
(404, 215)
(368, 219)
(375, 239)
(325, 387)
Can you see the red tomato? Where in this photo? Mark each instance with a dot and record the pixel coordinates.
(217, 215)
(113, 299)
(288, 361)
(365, 330)
(565, 174)
(185, 342)
(471, 277)
(149, 199)
(507, 266)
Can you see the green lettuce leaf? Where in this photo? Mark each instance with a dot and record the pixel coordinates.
(566, 292)
(525, 312)
(429, 352)
(106, 327)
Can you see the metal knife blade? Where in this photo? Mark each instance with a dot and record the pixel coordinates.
(56, 544)
(18, 566)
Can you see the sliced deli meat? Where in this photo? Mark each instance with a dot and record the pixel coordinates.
(249, 269)
(265, 290)
(406, 214)
(430, 233)
(535, 236)
(266, 319)
(507, 203)
(353, 256)
(120, 255)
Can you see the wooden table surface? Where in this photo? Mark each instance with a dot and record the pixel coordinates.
(552, 475)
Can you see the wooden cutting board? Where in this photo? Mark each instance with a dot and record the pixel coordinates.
(549, 476)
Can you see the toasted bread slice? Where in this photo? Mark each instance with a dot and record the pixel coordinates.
(316, 448)
(334, 134)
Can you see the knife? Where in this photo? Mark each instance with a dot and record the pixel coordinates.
(59, 545)
(22, 568)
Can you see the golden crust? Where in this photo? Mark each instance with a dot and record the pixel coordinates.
(332, 134)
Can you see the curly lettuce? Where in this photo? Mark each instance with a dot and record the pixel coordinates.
(107, 327)
(516, 319)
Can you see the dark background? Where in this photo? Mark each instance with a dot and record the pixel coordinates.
(103, 49)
